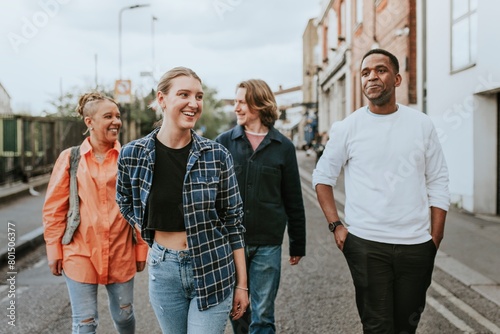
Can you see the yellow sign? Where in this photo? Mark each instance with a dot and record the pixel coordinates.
(123, 91)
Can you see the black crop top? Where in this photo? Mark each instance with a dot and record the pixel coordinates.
(165, 211)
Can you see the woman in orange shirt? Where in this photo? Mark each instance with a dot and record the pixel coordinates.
(103, 249)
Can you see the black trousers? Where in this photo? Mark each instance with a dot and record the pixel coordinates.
(391, 282)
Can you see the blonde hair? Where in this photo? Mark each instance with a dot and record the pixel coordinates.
(260, 97)
(87, 103)
(165, 82)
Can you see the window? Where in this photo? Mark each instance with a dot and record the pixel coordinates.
(333, 29)
(359, 11)
(463, 34)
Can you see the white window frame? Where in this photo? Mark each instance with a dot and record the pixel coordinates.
(359, 12)
(463, 56)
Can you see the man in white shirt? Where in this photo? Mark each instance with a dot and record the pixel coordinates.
(394, 171)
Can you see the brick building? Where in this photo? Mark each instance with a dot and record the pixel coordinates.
(346, 30)
(448, 60)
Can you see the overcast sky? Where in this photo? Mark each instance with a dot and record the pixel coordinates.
(49, 44)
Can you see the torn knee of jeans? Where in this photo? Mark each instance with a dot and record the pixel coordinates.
(87, 322)
(126, 308)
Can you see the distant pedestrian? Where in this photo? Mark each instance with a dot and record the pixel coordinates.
(181, 189)
(395, 175)
(268, 176)
(102, 249)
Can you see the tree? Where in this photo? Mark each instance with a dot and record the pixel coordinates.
(213, 120)
(65, 105)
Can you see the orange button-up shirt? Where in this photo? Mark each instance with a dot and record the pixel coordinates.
(102, 250)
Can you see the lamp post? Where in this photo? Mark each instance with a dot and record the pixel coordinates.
(153, 19)
(120, 32)
(316, 112)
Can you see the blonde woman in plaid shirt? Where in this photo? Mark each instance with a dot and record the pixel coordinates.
(181, 189)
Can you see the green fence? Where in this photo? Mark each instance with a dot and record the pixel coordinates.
(29, 146)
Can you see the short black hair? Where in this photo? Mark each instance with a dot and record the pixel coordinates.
(394, 61)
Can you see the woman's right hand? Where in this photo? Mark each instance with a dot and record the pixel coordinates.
(56, 267)
(240, 303)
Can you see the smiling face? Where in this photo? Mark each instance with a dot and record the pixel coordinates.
(105, 122)
(183, 103)
(379, 79)
(245, 116)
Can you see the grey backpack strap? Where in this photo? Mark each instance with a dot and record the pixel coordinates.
(73, 217)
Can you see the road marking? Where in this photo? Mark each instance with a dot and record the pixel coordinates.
(40, 263)
(448, 315)
(466, 308)
(19, 291)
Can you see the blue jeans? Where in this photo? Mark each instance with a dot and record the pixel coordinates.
(391, 281)
(173, 296)
(264, 272)
(83, 297)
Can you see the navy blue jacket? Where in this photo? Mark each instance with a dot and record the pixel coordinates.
(269, 183)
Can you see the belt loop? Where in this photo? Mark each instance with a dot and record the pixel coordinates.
(163, 251)
(163, 254)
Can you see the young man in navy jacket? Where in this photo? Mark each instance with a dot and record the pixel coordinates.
(268, 177)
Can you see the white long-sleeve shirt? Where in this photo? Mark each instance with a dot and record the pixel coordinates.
(394, 171)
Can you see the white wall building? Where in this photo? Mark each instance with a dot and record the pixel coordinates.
(462, 80)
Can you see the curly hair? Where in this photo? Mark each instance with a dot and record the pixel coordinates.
(260, 97)
(87, 103)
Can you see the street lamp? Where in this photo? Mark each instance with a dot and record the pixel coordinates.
(153, 19)
(120, 32)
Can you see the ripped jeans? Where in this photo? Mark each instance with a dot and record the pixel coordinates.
(83, 298)
(173, 296)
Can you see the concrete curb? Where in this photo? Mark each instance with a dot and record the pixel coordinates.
(34, 238)
(19, 188)
(24, 244)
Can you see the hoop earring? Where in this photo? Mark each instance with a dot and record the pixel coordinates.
(88, 129)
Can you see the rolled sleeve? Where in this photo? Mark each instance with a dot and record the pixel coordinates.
(333, 158)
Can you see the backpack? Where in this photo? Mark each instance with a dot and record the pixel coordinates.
(73, 216)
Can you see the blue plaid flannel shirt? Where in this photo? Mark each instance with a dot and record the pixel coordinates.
(212, 206)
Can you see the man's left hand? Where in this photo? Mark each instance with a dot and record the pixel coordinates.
(294, 260)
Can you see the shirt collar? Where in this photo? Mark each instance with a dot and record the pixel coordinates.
(86, 147)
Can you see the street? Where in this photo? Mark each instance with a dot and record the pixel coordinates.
(316, 296)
